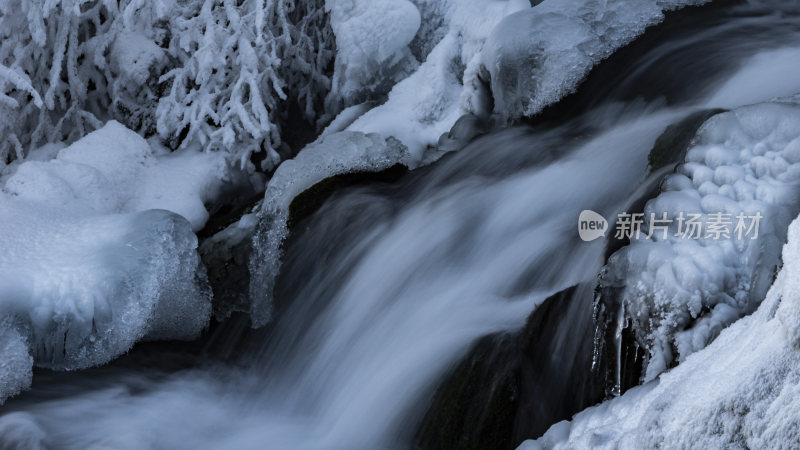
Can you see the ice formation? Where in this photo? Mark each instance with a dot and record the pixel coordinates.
(681, 291)
(16, 362)
(92, 261)
(741, 391)
(206, 74)
(555, 44)
(338, 153)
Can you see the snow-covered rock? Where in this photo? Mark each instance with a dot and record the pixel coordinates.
(92, 259)
(372, 40)
(742, 391)
(538, 55)
(518, 57)
(680, 290)
(115, 170)
(79, 291)
(445, 86)
(338, 153)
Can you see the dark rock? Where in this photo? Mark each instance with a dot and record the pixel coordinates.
(226, 253)
(513, 386)
(618, 342)
(671, 146)
(310, 200)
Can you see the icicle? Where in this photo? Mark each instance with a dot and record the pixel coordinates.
(617, 390)
(599, 330)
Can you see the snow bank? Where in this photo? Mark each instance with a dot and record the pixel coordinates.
(92, 262)
(537, 56)
(742, 391)
(680, 292)
(338, 153)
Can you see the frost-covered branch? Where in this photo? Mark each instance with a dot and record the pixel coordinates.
(218, 74)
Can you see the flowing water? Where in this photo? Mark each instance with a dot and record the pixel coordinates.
(387, 286)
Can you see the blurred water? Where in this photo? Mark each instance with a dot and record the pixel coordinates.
(386, 287)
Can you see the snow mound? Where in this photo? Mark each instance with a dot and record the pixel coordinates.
(335, 154)
(445, 86)
(114, 170)
(537, 56)
(681, 291)
(372, 40)
(81, 291)
(92, 262)
(134, 54)
(742, 391)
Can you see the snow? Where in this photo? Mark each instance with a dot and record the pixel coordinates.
(530, 56)
(92, 259)
(134, 54)
(681, 292)
(372, 40)
(426, 104)
(200, 74)
(338, 153)
(115, 170)
(554, 45)
(742, 391)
